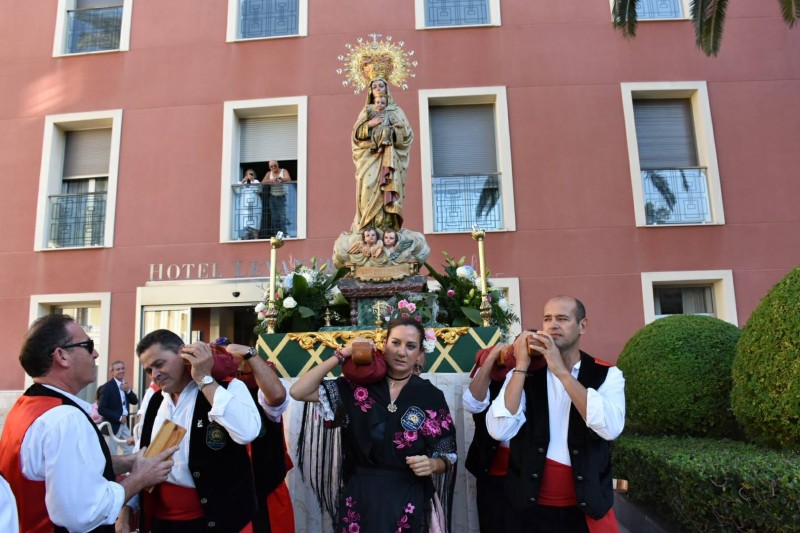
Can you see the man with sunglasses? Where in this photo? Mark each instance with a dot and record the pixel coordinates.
(56, 461)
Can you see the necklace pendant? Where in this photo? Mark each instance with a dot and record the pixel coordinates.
(392, 408)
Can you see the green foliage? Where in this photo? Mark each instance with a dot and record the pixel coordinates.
(459, 297)
(678, 377)
(712, 485)
(708, 17)
(766, 369)
(301, 297)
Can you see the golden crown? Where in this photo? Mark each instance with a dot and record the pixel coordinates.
(368, 60)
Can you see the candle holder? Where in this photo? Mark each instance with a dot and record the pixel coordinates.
(272, 313)
(479, 235)
(379, 308)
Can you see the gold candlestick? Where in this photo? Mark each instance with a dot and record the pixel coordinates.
(272, 313)
(485, 308)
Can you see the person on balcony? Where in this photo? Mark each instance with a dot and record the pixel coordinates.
(277, 178)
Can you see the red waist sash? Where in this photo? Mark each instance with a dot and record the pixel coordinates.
(173, 502)
(499, 465)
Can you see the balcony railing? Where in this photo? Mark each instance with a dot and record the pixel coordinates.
(77, 220)
(269, 18)
(676, 196)
(259, 215)
(94, 30)
(459, 202)
(659, 9)
(456, 12)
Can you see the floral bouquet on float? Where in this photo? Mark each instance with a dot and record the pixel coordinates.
(302, 295)
(459, 297)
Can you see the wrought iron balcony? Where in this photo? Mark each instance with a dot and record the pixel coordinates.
(659, 9)
(676, 196)
(259, 215)
(77, 220)
(93, 30)
(459, 202)
(268, 18)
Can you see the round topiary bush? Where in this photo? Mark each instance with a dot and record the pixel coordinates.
(678, 377)
(766, 369)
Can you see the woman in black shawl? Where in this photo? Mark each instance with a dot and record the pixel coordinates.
(381, 456)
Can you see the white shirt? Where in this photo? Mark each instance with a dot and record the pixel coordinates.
(122, 398)
(274, 413)
(61, 448)
(9, 521)
(605, 412)
(233, 408)
(473, 406)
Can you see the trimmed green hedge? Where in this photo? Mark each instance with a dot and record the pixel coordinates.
(678, 377)
(766, 369)
(712, 485)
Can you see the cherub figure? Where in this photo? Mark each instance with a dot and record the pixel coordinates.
(382, 134)
(390, 238)
(369, 245)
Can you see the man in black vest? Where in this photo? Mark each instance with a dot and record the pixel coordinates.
(559, 420)
(211, 487)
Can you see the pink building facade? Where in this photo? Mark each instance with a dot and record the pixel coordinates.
(640, 176)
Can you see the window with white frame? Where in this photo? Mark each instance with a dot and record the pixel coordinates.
(454, 13)
(673, 161)
(262, 19)
(466, 160)
(257, 133)
(707, 292)
(85, 26)
(92, 311)
(77, 183)
(653, 10)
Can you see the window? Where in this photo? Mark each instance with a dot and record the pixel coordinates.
(450, 13)
(673, 161)
(84, 26)
(708, 292)
(260, 19)
(466, 160)
(78, 178)
(93, 312)
(255, 133)
(647, 10)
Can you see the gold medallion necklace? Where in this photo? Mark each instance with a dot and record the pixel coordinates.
(392, 408)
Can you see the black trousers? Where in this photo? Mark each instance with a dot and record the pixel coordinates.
(546, 519)
(491, 503)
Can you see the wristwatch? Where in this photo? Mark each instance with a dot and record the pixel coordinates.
(205, 380)
(251, 352)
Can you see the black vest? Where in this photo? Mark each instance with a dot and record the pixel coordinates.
(220, 468)
(481, 451)
(269, 464)
(589, 453)
(108, 472)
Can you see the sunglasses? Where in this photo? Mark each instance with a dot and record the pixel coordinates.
(88, 344)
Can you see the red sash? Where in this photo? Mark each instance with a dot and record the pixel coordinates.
(174, 502)
(499, 466)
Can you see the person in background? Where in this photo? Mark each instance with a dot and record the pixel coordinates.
(115, 399)
(277, 178)
(9, 520)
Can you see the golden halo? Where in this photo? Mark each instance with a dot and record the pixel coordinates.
(368, 60)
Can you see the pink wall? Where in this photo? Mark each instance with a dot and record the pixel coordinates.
(562, 65)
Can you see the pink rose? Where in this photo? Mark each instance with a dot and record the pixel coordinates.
(451, 293)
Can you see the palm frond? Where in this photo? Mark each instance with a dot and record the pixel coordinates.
(489, 197)
(709, 18)
(624, 15)
(790, 9)
(662, 186)
(684, 180)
